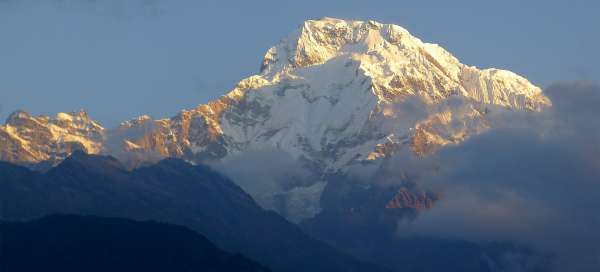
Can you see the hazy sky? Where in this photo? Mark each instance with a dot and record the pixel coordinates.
(120, 59)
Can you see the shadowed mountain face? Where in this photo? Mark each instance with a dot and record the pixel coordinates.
(86, 243)
(358, 220)
(171, 191)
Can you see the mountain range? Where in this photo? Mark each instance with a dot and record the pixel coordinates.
(332, 93)
(170, 191)
(355, 231)
(333, 96)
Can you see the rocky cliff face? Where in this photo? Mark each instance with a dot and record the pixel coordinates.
(418, 201)
(28, 139)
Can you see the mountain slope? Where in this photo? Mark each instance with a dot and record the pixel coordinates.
(87, 243)
(332, 94)
(171, 191)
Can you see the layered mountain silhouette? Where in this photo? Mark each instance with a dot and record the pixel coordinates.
(171, 191)
(88, 243)
(359, 222)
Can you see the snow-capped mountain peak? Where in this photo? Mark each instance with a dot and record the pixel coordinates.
(392, 56)
(317, 41)
(331, 94)
(321, 89)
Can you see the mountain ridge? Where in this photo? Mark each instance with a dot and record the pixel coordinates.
(425, 70)
(332, 94)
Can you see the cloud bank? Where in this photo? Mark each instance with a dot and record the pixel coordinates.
(533, 179)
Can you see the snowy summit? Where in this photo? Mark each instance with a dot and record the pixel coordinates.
(331, 94)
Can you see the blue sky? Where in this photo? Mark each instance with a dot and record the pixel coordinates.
(120, 59)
